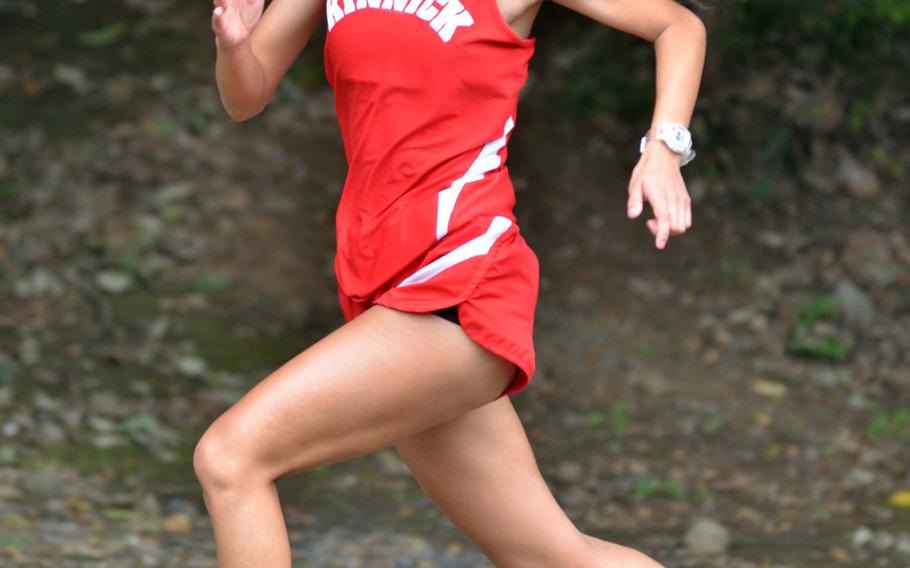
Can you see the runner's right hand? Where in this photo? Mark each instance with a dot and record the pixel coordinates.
(234, 20)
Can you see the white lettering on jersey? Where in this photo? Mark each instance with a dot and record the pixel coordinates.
(444, 21)
(452, 16)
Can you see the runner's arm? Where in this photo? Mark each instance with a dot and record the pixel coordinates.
(249, 74)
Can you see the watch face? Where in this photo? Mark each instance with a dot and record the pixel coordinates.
(677, 138)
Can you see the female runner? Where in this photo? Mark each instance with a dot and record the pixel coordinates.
(426, 97)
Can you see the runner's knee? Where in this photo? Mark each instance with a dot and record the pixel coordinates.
(221, 463)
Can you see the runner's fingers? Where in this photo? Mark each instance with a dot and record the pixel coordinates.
(663, 231)
(680, 213)
(688, 209)
(218, 20)
(653, 227)
(220, 17)
(221, 7)
(684, 207)
(672, 212)
(662, 215)
(662, 212)
(673, 218)
(634, 204)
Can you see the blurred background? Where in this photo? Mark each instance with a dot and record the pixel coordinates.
(739, 399)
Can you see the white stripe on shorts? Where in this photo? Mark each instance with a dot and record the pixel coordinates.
(475, 247)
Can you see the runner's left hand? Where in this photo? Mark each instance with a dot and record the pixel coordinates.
(656, 179)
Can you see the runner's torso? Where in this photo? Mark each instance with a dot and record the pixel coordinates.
(426, 94)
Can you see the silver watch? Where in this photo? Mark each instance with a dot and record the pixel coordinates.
(676, 136)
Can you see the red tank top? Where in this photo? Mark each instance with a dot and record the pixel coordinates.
(426, 93)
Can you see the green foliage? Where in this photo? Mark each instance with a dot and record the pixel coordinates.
(701, 495)
(894, 425)
(14, 520)
(8, 542)
(307, 73)
(835, 63)
(803, 343)
(763, 189)
(211, 283)
(118, 514)
(7, 376)
(291, 90)
(644, 488)
(9, 188)
(859, 114)
(103, 37)
(734, 272)
(714, 423)
(776, 151)
(820, 512)
(596, 419)
(804, 340)
(648, 349)
(838, 31)
(825, 308)
(623, 85)
(617, 417)
(895, 12)
(886, 161)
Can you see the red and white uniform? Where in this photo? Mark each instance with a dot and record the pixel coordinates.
(426, 93)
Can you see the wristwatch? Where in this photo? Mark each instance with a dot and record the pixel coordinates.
(676, 136)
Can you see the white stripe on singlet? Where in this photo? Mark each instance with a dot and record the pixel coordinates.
(486, 161)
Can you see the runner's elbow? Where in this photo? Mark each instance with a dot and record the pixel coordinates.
(239, 113)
